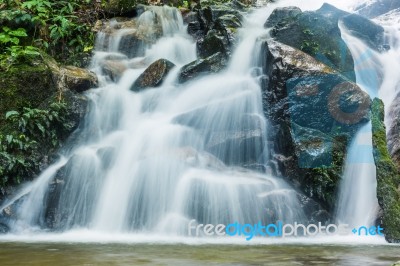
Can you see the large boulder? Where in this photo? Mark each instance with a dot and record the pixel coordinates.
(317, 33)
(388, 177)
(199, 67)
(314, 112)
(153, 76)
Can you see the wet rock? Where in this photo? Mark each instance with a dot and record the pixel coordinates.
(375, 8)
(281, 14)
(366, 30)
(153, 76)
(388, 176)
(233, 146)
(113, 69)
(317, 33)
(215, 29)
(314, 111)
(210, 45)
(78, 79)
(393, 135)
(195, 69)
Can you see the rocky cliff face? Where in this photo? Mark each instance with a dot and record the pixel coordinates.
(388, 177)
(308, 129)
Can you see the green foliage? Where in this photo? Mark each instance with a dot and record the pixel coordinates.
(61, 28)
(310, 47)
(33, 129)
(12, 51)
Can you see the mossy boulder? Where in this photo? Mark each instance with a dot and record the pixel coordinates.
(25, 85)
(306, 103)
(210, 45)
(317, 33)
(38, 85)
(388, 177)
(153, 76)
(215, 28)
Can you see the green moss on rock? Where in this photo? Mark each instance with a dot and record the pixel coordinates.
(388, 177)
(24, 86)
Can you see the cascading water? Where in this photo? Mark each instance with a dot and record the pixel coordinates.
(154, 160)
(376, 73)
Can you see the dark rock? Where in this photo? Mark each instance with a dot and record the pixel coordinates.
(195, 69)
(153, 76)
(313, 113)
(393, 135)
(127, 8)
(317, 33)
(211, 44)
(281, 14)
(388, 176)
(215, 29)
(372, 9)
(132, 45)
(366, 30)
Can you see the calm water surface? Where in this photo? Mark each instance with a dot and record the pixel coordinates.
(17, 253)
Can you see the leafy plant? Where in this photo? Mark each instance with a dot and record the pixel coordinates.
(310, 47)
(33, 130)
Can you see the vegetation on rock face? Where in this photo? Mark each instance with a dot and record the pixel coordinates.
(388, 177)
(61, 28)
(309, 142)
(30, 131)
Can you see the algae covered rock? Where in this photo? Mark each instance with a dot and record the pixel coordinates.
(317, 33)
(388, 177)
(25, 86)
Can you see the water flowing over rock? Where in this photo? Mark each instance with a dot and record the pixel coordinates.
(155, 159)
(375, 8)
(317, 33)
(252, 120)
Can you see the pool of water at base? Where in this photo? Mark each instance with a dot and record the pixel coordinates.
(18, 253)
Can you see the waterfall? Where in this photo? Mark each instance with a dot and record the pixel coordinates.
(376, 73)
(153, 160)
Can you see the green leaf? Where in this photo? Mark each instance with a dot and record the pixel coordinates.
(11, 113)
